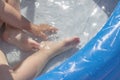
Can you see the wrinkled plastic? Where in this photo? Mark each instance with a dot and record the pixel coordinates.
(83, 18)
(99, 59)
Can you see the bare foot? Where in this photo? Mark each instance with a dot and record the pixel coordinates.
(20, 39)
(40, 30)
(55, 48)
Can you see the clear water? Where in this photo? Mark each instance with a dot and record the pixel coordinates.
(82, 18)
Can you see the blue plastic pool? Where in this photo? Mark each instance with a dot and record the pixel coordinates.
(97, 56)
(99, 59)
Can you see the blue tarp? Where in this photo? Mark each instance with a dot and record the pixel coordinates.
(99, 59)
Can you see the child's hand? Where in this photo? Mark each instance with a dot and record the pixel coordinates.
(40, 30)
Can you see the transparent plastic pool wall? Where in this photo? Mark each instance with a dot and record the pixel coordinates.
(99, 59)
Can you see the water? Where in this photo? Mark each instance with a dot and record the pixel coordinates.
(83, 18)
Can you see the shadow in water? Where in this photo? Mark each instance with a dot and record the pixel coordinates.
(30, 5)
(107, 5)
(5, 73)
(58, 60)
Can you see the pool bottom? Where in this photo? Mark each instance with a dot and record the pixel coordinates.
(99, 59)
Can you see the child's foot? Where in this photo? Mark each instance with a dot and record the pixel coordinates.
(20, 39)
(54, 48)
(40, 30)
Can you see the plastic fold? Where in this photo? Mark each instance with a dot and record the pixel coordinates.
(99, 59)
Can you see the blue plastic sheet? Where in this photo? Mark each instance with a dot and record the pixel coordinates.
(99, 59)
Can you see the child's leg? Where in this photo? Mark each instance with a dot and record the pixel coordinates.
(12, 2)
(36, 62)
(15, 4)
(5, 70)
(1, 22)
(17, 37)
(20, 39)
(3, 59)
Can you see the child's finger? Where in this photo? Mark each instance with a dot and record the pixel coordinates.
(48, 28)
(34, 44)
(53, 29)
(43, 35)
